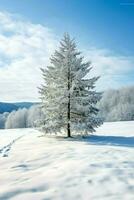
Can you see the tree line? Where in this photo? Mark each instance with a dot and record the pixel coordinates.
(22, 118)
(115, 105)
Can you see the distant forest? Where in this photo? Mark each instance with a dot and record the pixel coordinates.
(115, 105)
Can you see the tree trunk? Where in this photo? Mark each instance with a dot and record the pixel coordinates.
(68, 109)
(68, 118)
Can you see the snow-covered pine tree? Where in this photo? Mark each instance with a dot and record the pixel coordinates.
(68, 97)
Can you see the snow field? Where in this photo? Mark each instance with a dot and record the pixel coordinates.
(100, 167)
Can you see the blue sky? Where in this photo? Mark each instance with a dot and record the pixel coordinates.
(105, 23)
(103, 28)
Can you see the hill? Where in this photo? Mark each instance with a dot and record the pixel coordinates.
(24, 104)
(9, 107)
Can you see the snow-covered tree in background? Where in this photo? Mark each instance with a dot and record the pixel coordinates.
(68, 96)
(34, 116)
(3, 118)
(17, 119)
(117, 105)
(22, 118)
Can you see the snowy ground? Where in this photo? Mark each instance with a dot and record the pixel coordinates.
(43, 168)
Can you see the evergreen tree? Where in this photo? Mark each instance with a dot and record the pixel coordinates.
(68, 98)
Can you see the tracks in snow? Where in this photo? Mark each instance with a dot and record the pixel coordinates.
(4, 151)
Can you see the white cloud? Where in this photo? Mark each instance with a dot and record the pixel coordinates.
(25, 47)
(112, 68)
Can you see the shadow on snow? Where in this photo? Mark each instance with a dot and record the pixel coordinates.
(111, 140)
(103, 140)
